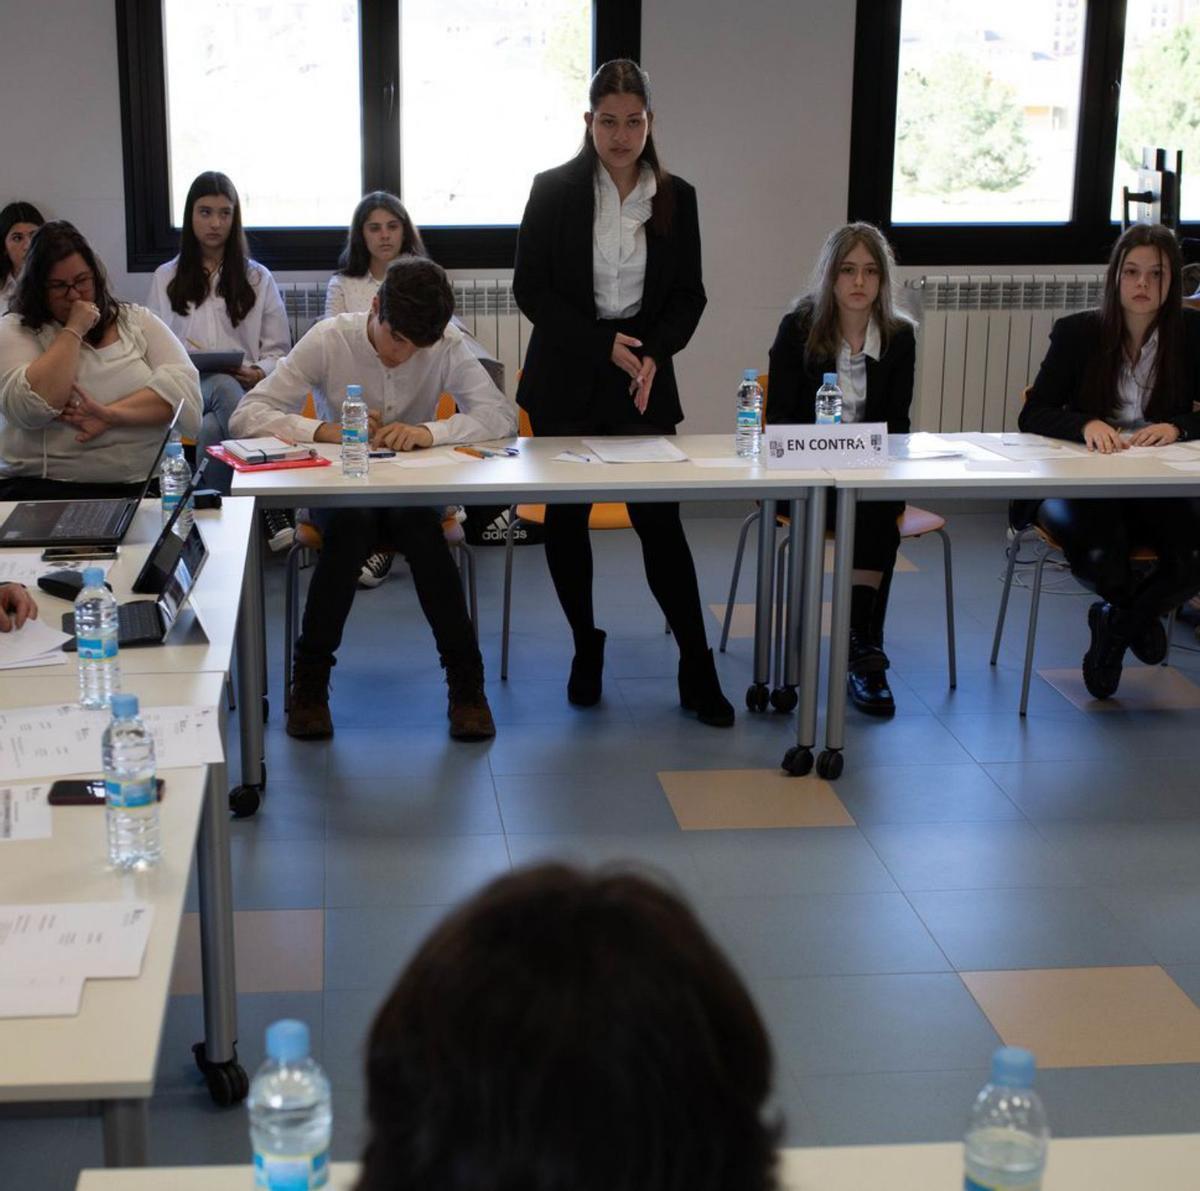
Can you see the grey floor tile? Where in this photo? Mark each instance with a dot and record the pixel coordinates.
(787, 1106)
(862, 1024)
(923, 794)
(778, 863)
(825, 935)
(434, 870)
(903, 1108)
(1165, 919)
(416, 753)
(971, 856)
(993, 929)
(367, 947)
(983, 690)
(290, 810)
(413, 805)
(1187, 976)
(1139, 854)
(1100, 1101)
(47, 1152)
(536, 804)
(1071, 736)
(272, 874)
(905, 740)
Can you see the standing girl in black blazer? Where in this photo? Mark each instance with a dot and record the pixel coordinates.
(608, 272)
(847, 324)
(1126, 375)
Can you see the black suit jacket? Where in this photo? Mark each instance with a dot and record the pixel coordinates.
(568, 357)
(793, 385)
(1054, 407)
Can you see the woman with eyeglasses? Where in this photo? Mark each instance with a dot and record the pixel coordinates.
(216, 299)
(18, 222)
(88, 385)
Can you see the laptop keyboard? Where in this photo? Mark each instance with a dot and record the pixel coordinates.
(89, 518)
(139, 621)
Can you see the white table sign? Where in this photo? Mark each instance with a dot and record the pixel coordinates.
(842, 444)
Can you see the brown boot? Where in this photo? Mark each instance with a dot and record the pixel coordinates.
(468, 710)
(308, 706)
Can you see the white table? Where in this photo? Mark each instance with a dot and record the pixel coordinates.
(109, 1051)
(1076, 1164)
(1073, 474)
(536, 475)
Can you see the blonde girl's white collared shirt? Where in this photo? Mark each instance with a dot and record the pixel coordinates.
(852, 373)
(619, 242)
(349, 295)
(263, 336)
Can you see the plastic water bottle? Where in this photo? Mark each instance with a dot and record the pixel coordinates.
(829, 400)
(131, 794)
(747, 440)
(1007, 1138)
(173, 478)
(355, 459)
(96, 641)
(291, 1116)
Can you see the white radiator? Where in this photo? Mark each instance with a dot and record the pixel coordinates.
(981, 340)
(485, 305)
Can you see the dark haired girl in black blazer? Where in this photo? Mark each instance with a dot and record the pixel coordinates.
(608, 272)
(846, 324)
(1125, 375)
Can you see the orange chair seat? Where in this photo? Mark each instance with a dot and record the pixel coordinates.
(607, 515)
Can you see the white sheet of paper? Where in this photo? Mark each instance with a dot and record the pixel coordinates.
(434, 457)
(1193, 466)
(1025, 452)
(58, 996)
(33, 639)
(634, 450)
(37, 742)
(104, 940)
(21, 566)
(25, 813)
(576, 457)
(1171, 453)
(58, 658)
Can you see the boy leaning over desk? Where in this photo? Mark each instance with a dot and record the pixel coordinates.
(404, 355)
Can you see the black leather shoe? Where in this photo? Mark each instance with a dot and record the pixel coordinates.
(700, 691)
(586, 682)
(870, 693)
(1148, 639)
(865, 656)
(1103, 660)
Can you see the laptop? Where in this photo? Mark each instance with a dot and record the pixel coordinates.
(77, 522)
(148, 622)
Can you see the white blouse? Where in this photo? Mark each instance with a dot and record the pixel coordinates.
(852, 373)
(6, 293)
(619, 243)
(1133, 385)
(262, 336)
(145, 355)
(349, 295)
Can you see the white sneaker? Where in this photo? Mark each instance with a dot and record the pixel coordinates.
(375, 569)
(280, 529)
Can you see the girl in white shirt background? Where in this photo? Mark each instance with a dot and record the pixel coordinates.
(215, 298)
(18, 222)
(379, 232)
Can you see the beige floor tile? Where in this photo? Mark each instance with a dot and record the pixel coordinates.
(1143, 688)
(1091, 1017)
(742, 625)
(724, 799)
(275, 951)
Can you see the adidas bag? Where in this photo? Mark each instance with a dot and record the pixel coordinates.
(487, 525)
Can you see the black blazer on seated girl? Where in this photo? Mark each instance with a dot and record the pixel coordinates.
(792, 393)
(567, 366)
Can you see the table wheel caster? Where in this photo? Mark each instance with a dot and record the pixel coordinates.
(244, 801)
(227, 1082)
(757, 696)
(797, 761)
(829, 764)
(784, 698)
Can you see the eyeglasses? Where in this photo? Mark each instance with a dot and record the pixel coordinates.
(60, 289)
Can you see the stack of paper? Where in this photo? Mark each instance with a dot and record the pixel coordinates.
(35, 643)
(24, 812)
(48, 951)
(634, 450)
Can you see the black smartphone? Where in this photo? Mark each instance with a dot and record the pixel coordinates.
(85, 793)
(79, 553)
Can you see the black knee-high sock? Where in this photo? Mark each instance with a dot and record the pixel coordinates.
(862, 608)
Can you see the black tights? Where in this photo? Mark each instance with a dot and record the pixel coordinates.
(1100, 536)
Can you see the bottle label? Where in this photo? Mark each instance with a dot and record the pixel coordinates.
(97, 649)
(291, 1172)
(747, 419)
(969, 1184)
(170, 500)
(127, 794)
(354, 436)
(829, 420)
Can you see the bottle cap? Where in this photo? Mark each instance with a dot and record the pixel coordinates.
(174, 449)
(829, 378)
(287, 1040)
(1013, 1067)
(750, 374)
(93, 576)
(354, 390)
(124, 706)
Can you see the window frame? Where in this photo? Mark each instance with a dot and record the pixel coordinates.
(149, 236)
(1085, 239)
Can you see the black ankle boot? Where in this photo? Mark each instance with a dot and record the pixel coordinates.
(700, 691)
(587, 669)
(1103, 660)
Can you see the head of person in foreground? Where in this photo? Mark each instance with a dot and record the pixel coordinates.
(569, 1031)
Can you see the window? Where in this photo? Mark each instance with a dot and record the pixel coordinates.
(988, 133)
(452, 104)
